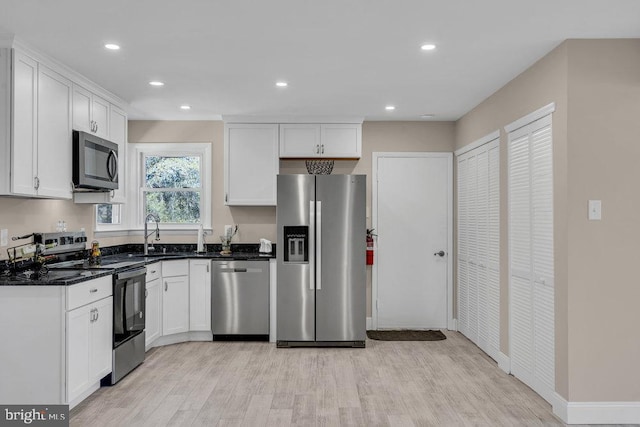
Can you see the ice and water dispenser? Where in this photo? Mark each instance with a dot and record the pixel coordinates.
(296, 243)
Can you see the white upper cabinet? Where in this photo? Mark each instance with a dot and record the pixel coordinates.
(118, 135)
(90, 112)
(41, 103)
(54, 135)
(22, 149)
(299, 140)
(251, 164)
(336, 141)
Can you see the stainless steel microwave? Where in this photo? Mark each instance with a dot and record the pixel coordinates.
(95, 162)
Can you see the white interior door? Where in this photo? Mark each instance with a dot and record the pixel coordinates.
(412, 217)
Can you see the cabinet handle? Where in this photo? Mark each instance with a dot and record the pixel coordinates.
(207, 268)
(92, 318)
(93, 291)
(36, 182)
(153, 271)
(97, 314)
(96, 127)
(226, 198)
(166, 286)
(113, 193)
(146, 293)
(322, 152)
(317, 148)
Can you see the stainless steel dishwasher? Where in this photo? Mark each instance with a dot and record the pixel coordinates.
(240, 300)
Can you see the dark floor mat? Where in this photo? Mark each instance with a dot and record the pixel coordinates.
(406, 335)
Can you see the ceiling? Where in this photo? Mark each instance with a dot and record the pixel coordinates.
(339, 57)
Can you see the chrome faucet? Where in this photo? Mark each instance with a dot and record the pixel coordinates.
(146, 234)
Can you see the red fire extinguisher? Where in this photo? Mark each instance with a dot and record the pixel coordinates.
(370, 246)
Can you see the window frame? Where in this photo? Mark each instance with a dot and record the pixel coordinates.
(141, 150)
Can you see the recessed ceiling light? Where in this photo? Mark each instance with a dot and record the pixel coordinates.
(389, 108)
(282, 84)
(112, 46)
(156, 83)
(185, 107)
(428, 46)
(427, 116)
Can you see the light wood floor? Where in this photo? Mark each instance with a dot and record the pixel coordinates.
(448, 382)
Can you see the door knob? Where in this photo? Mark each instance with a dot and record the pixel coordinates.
(441, 253)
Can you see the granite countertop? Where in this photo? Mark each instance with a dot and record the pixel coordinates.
(115, 259)
(54, 278)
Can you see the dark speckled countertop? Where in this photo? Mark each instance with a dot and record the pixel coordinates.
(120, 256)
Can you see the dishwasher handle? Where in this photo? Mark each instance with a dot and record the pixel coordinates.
(241, 270)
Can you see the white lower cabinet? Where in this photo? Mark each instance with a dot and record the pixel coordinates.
(61, 341)
(175, 298)
(89, 345)
(153, 304)
(200, 295)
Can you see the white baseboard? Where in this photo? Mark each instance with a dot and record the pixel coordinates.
(504, 362)
(597, 412)
(369, 323)
(181, 337)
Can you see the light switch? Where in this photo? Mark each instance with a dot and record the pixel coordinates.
(4, 237)
(595, 210)
(228, 229)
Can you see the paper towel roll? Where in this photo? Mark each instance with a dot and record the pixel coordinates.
(200, 239)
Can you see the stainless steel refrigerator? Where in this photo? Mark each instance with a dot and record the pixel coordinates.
(321, 249)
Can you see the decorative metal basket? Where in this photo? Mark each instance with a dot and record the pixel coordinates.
(319, 167)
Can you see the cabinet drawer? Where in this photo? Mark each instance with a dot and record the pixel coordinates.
(88, 292)
(175, 268)
(153, 271)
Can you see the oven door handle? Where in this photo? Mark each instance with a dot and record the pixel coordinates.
(131, 273)
(124, 308)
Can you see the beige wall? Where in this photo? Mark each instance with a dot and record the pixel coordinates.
(604, 145)
(596, 87)
(543, 83)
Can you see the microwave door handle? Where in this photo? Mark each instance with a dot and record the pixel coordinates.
(112, 165)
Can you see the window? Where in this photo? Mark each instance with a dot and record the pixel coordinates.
(173, 182)
(172, 188)
(108, 214)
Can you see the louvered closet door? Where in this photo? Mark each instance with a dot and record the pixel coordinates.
(479, 246)
(531, 256)
(481, 218)
(463, 267)
(493, 251)
(472, 248)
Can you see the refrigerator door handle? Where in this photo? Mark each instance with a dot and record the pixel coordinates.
(318, 245)
(311, 247)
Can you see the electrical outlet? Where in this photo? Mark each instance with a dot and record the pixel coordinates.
(4, 237)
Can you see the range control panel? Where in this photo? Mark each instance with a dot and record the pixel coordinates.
(65, 241)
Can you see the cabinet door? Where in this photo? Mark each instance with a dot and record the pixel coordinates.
(153, 325)
(25, 124)
(78, 343)
(199, 295)
(175, 305)
(341, 140)
(300, 140)
(54, 134)
(118, 134)
(81, 109)
(251, 164)
(100, 116)
(101, 347)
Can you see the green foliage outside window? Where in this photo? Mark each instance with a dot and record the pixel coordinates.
(173, 185)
